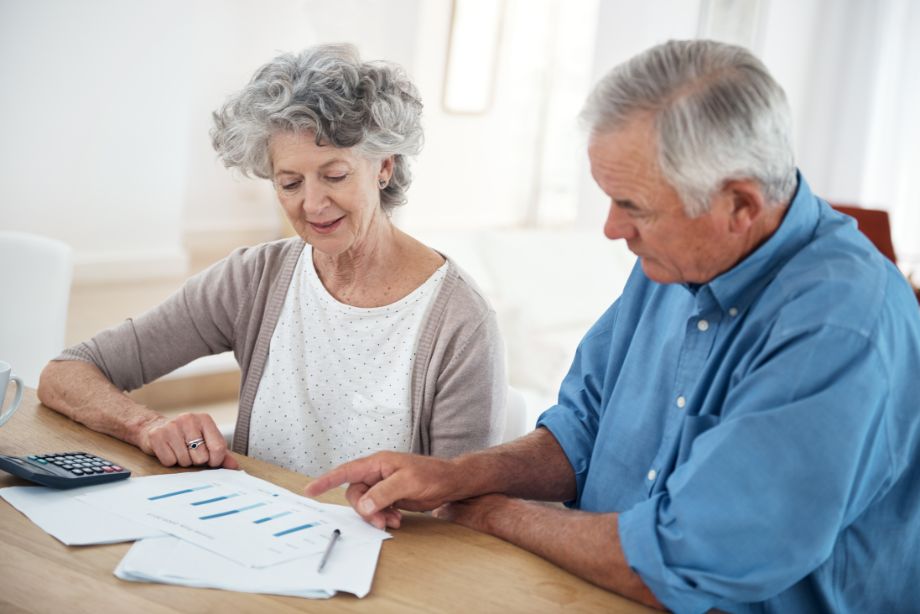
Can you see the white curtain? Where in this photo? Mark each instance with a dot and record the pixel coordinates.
(893, 152)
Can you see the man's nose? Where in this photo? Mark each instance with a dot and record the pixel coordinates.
(618, 224)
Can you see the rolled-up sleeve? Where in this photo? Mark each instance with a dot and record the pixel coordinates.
(802, 448)
(574, 419)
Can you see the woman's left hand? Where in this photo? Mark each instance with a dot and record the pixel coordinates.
(186, 440)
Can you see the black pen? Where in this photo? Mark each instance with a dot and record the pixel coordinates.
(332, 539)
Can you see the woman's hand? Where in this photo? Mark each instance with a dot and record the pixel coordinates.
(173, 442)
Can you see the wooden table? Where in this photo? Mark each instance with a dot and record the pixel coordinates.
(429, 566)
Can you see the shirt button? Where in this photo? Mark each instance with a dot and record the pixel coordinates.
(651, 475)
(681, 401)
(703, 325)
(733, 311)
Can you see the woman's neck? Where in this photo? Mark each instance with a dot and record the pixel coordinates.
(363, 274)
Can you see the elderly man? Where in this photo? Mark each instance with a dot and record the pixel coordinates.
(740, 430)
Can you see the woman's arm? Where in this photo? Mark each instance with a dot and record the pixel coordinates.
(81, 392)
(466, 385)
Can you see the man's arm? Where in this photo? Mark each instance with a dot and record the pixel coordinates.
(532, 467)
(588, 545)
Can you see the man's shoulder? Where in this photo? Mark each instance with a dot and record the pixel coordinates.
(839, 279)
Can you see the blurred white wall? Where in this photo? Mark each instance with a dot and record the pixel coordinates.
(106, 109)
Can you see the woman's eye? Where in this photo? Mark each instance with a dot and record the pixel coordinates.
(336, 178)
(290, 187)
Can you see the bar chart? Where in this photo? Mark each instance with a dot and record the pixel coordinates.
(232, 514)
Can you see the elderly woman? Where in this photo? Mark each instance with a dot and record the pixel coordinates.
(352, 337)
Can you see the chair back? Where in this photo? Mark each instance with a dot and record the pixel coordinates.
(33, 302)
(873, 223)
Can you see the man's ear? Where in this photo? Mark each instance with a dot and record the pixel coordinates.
(746, 203)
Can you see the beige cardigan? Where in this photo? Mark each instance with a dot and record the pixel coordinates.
(458, 377)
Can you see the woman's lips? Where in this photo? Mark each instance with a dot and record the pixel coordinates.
(326, 228)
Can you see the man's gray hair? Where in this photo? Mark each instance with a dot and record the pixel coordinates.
(329, 91)
(718, 114)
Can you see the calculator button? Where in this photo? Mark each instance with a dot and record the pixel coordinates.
(77, 471)
(117, 468)
(108, 469)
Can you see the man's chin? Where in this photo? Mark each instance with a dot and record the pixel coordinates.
(655, 273)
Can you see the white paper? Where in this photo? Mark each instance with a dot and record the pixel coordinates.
(71, 521)
(170, 560)
(248, 520)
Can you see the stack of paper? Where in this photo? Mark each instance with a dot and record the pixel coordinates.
(219, 529)
(170, 560)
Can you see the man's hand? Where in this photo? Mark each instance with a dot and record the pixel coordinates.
(167, 439)
(476, 513)
(383, 482)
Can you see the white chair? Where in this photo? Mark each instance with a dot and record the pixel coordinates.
(515, 415)
(36, 278)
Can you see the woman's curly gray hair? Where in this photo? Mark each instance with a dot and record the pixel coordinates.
(329, 91)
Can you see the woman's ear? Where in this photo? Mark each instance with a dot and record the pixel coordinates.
(386, 169)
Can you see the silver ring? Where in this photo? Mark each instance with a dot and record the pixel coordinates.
(195, 443)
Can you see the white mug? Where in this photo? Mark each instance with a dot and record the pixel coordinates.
(6, 374)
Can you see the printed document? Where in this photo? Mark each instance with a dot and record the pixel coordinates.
(231, 513)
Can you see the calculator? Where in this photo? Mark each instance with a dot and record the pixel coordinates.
(63, 469)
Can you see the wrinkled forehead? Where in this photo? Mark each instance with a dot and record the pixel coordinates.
(630, 148)
(287, 146)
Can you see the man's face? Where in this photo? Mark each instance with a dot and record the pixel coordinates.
(647, 212)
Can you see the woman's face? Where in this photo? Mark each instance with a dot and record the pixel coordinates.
(330, 195)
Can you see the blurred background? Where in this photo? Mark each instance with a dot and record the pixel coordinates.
(105, 111)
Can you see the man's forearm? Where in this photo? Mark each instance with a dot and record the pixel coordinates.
(586, 544)
(531, 467)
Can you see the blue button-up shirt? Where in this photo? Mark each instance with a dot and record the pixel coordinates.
(759, 434)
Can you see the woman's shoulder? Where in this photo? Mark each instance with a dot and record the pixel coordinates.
(463, 299)
(268, 255)
(246, 269)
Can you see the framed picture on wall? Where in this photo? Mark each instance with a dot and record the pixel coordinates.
(738, 22)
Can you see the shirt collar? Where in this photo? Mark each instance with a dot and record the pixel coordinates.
(740, 285)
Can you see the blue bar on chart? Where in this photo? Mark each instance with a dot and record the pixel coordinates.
(267, 518)
(178, 492)
(295, 529)
(216, 499)
(229, 512)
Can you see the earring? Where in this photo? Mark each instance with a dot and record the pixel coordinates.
(382, 183)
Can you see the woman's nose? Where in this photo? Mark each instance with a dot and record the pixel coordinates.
(314, 198)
